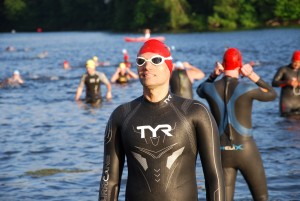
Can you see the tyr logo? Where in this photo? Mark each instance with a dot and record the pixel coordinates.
(165, 128)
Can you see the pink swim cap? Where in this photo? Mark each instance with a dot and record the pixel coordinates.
(232, 59)
(157, 47)
(296, 56)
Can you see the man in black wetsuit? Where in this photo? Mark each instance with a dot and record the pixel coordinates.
(182, 79)
(160, 135)
(288, 79)
(92, 80)
(230, 101)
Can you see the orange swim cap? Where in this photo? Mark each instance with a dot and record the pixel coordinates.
(157, 47)
(232, 59)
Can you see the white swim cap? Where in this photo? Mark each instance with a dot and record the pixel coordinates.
(16, 72)
(179, 64)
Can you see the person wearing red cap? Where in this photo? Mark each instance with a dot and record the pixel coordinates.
(160, 135)
(288, 79)
(230, 101)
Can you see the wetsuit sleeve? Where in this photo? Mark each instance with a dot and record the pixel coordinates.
(103, 78)
(81, 84)
(113, 161)
(209, 150)
(268, 95)
(277, 80)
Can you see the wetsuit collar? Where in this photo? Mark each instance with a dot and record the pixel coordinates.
(164, 102)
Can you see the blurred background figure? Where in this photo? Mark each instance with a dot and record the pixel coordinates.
(288, 79)
(14, 81)
(96, 60)
(66, 65)
(147, 33)
(126, 58)
(123, 74)
(92, 81)
(183, 76)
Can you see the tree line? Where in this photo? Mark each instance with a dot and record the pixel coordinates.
(158, 15)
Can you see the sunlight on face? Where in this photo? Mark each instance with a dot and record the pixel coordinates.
(296, 64)
(153, 75)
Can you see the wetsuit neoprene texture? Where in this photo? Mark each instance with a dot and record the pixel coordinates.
(161, 142)
(238, 148)
(289, 101)
(180, 84)
(93, 85)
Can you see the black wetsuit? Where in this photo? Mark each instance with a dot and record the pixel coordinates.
(122, 78)
(161, 142)
(238, 148)
(289, 97)
(93, 86)
(180, 84)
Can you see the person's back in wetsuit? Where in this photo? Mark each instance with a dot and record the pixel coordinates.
(182, 79)
(160, 134)
(180, 84)
(288, 79)
(230, 101)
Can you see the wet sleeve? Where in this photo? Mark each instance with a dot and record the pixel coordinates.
(200, 90)
(113, 162)
(277, 79)
(265, 95)
(210, 155)
(103, 78)
(81, 84)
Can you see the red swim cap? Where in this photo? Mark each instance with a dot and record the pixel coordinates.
(232, 59)
(157, 47)
(296, 56)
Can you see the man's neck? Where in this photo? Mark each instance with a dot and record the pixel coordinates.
(232, 73)
(155, 95)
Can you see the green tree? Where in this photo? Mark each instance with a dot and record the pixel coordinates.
(287, 9)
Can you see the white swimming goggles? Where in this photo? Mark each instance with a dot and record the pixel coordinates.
(155, 60)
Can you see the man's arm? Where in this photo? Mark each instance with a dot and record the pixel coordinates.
(80, 88)
(193, 72)
(209, 150)
(115, 76)
(113, 162)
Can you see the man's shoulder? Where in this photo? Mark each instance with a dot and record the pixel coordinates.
(127, 107)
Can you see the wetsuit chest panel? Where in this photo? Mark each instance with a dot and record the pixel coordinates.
(230, 117)
(158, 147)
(92, 83)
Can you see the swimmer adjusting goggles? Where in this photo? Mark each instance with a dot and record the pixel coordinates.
(155, 60)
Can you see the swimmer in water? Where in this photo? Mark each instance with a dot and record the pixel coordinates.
(147, 33)
(126, 58)
(123, 74)
(231, 104)
(288, 79)
(183, 76)
(92, 81)
(14, 81)
(160, 135)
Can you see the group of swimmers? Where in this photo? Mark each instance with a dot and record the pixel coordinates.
(160, 133)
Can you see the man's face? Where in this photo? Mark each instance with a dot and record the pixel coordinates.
(90, 70)
(296, 64)
(152, 75)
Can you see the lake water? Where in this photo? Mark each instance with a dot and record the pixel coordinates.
(42, 127)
